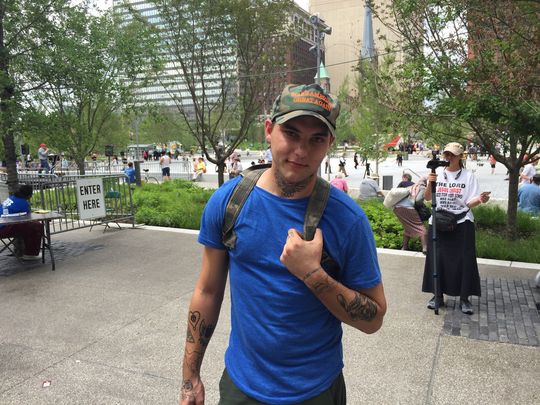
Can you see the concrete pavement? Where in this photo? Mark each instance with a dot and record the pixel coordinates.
(108, 326)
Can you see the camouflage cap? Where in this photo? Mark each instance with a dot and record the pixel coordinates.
(300, 100)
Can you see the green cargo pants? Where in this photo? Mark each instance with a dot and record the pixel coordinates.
(231, 395)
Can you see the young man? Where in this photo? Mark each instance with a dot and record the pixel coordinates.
(285, 343)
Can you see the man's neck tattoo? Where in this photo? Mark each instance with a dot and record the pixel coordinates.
(288, 190)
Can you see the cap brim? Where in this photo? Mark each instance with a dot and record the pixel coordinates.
(300, 113)
(452, 152)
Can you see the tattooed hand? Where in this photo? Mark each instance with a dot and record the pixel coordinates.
(300, 256)
(192, 392)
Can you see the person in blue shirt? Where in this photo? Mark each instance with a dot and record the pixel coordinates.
(31, 233)
(529, 196)
(287, 312)
(130, 173)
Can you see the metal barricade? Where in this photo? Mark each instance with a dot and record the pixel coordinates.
(57, 193)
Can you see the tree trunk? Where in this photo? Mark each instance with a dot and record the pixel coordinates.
(511, 222)
(221, 173)
(80, 165)
(11, 159)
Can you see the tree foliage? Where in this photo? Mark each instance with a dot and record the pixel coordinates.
(95, 63)
(227, 53)
(26, 31)
(471, 71)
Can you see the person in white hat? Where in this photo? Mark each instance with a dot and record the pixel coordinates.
(457, 191)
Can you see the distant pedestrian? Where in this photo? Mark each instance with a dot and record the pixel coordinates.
(341, 165)
(492, 163)
(529, 196)
(327, 166)
(369, 188)
(355, 160)
(529, 170)
(165, 163)
(236, 168)
(130, 173)
(405, 211)
(399, 159)
(200, 169)
(406, 180)
(340, 183)
(43, 155)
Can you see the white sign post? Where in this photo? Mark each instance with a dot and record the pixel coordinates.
(90, 198)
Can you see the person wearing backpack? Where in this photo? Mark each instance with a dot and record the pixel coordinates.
(286, 309)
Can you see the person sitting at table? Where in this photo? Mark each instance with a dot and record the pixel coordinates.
(31, 233)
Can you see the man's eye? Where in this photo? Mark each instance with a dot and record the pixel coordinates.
(318, 139)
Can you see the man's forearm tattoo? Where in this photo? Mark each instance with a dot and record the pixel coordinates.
(308, 275)
(193, 360)
(200, 328)
(359, 308)
(321, 286)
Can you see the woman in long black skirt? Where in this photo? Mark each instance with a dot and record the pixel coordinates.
(457, 192)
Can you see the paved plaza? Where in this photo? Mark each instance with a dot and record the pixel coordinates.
(108, 326)
(415, 164)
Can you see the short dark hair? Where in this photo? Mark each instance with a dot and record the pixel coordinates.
(536, 179)
(407, 176)
(130, 164)
(24, 191)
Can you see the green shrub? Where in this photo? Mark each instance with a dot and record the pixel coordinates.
(176, 204)
(180, 204)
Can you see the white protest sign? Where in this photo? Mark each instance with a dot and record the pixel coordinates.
(90, 198)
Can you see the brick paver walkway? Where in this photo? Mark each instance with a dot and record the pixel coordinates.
(507, 312)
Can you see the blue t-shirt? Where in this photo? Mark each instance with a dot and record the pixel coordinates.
(285, 346)
(15, 205)
(130, 173)
(529, 198)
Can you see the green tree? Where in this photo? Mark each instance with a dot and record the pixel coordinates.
(373, 120)
(227, 52)
(26, 31)
(471, 70)
(95, 65)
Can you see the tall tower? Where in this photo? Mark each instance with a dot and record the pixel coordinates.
(343, 47)
(368, 50)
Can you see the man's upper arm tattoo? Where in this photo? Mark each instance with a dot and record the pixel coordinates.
(360, 307)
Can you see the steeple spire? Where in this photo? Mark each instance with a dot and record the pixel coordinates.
(368, 43)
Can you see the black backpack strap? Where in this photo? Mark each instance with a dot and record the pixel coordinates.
(235, 204)
(315, 209)
(316, 206)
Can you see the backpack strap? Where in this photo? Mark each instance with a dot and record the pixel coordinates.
(235, 204)
(315, 209)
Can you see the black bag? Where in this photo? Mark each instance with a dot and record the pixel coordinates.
(423, 212)
(447, 221)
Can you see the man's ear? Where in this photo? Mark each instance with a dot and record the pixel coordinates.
(268, 126)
